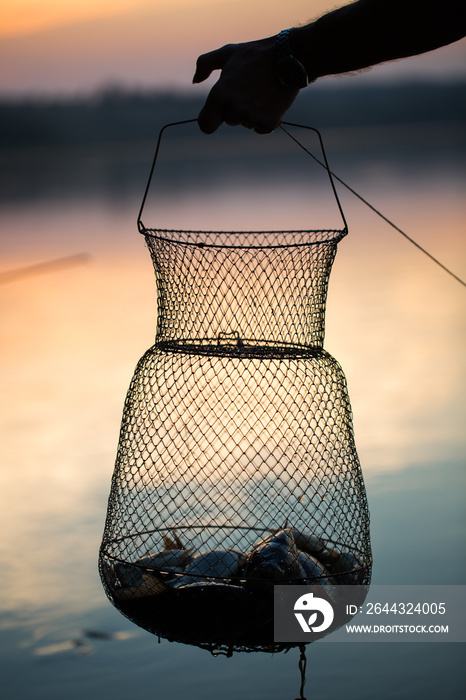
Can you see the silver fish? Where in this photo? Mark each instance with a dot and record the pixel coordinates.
(311, 544)
(213, 563)
(328, 557)
(149, 585)
(349, 569)
(273, 559)
(128, 575)
(314, 571)
(172, 559)
(175, 543)
(224, 563)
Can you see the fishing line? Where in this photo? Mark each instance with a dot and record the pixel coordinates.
(368, 204)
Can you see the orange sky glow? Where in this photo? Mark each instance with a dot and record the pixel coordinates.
(25, 16)
(64, 46)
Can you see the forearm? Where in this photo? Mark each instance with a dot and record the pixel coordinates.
(369, 32)
(255, 89)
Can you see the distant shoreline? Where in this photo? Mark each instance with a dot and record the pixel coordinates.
(124, 117)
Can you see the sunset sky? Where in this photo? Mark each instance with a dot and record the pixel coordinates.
(65, 46)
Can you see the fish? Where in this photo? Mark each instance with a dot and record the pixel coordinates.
(170, 560)
(306, 542)
(345, 564)
(175, 543)
(213, 563)
(149, 585)
(314, 571)
(328, 557)
(128, 575)
(174, 556)
(173, 559)
(273, 560)
(348, 569)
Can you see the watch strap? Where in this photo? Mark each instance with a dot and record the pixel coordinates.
(284, 56)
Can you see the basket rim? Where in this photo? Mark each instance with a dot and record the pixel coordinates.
(157, 233)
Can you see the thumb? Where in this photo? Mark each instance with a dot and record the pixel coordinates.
(208, 62)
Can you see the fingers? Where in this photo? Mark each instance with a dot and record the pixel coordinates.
(208, 62)
(262, 130)
(224, 105)
(215, 112)
(211, 115)
(218, 109)
(209, 119)
(247, 92)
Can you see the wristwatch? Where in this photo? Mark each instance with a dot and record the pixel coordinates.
(291, 74)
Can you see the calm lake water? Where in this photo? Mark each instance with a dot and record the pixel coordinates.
(71, 336)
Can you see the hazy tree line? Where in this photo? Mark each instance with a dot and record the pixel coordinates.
(114, 116)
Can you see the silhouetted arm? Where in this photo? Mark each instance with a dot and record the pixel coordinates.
(353, 37)
(369, 32)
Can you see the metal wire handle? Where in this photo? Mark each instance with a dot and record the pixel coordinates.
(141, 226)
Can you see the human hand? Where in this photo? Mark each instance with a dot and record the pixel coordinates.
(247, 92)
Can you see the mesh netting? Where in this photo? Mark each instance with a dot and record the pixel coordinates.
(265, 288)
(236, 467)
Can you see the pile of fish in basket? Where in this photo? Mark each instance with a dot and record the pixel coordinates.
(224, 596)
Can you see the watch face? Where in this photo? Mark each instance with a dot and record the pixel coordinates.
(291, 73)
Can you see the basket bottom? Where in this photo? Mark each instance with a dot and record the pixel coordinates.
(213, 616)
(209, 615)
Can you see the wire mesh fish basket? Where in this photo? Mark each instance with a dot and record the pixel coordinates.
(236, 467)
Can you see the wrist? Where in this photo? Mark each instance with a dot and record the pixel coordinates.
(304, 43)
(290, 72)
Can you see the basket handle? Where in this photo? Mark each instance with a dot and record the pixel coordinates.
(324, 164)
